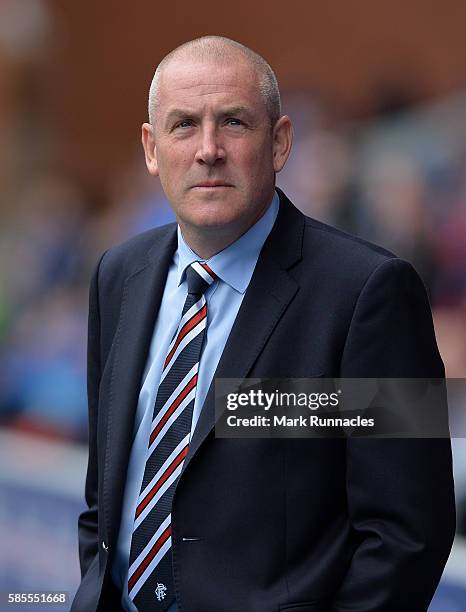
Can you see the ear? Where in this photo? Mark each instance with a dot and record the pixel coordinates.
(282, 140)
(150, 150)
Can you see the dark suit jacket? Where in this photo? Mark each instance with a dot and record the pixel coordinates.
(282, 524)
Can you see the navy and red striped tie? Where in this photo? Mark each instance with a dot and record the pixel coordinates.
(150, 576)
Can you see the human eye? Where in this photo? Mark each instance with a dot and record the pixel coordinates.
(181, 124)
(234, 121)
(184, 123)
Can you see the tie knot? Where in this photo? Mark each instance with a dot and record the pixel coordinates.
(199, 277)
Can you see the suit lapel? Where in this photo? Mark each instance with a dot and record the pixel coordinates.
(142, 294)
(269, 293)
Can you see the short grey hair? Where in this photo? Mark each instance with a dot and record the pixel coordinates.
(219, 48)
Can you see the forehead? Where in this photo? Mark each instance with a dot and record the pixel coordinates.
(197, 82)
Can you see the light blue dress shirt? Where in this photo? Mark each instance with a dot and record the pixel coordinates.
(234, 267)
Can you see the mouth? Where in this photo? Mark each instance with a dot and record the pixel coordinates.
(212, 185)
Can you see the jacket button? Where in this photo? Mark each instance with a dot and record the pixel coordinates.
(104, 546)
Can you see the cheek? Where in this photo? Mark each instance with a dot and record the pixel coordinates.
(173, 159)
(256, 155)
(257, 166)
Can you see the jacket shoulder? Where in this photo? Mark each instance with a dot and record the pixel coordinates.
(131, 255)
(341, 251)
(345, 241)
(329, 249)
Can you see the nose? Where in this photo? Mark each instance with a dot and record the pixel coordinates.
(210, 151)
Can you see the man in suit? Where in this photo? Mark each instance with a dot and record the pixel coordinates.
(249, 525)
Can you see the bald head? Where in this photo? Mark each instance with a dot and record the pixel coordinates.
(223, 51)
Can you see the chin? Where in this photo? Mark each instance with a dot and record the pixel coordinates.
(213, 219)
(212, 212)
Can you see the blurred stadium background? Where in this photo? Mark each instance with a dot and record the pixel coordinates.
(377, 94)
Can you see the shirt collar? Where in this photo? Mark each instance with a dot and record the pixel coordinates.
(235, 264)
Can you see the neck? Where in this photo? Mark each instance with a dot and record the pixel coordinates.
(208, 241)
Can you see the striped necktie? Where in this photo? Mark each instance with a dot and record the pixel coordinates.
(150, 576)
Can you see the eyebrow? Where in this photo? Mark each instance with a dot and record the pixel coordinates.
(235, 110)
